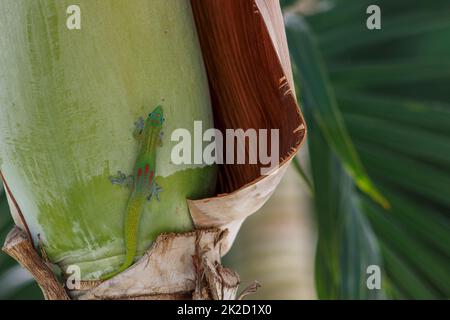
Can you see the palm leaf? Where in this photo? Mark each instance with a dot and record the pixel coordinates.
(346, 246)
(390, 91)
(320, 97)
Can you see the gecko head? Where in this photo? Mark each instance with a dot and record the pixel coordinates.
(156, 117)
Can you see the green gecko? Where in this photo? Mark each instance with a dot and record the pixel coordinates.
(142, 182)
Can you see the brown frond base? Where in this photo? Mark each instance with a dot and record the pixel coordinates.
(177, 267)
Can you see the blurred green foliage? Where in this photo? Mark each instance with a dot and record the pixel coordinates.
(383, 93)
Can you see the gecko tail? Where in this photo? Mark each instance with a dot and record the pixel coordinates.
(128, 263)
(134, 212)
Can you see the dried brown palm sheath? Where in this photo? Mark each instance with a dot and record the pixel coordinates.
(249, 75)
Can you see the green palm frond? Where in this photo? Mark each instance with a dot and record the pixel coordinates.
(389, 90)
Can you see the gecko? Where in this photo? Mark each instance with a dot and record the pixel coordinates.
(142, 182)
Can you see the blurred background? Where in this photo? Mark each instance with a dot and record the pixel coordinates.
(372, 187)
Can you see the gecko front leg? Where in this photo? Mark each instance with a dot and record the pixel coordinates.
(139, 126)
(160, 139)
(121, 178)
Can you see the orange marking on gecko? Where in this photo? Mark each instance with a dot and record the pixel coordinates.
(150, 178)
(147, 167)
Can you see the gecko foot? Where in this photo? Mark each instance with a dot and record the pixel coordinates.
(121, 179)
(156, 190)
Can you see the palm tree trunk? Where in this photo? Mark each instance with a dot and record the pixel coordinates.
(276, 246)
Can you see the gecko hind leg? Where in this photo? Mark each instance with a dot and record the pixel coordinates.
(121, 179)
(156, 190)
